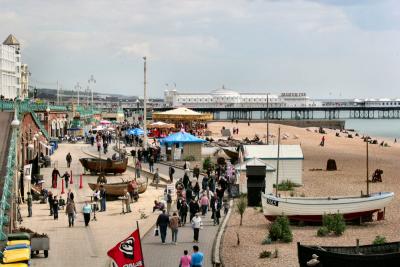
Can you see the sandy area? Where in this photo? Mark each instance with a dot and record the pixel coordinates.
(350, 156)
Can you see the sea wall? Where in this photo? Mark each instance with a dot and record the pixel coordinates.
(333, 124)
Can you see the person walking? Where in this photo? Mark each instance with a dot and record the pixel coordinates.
(169, 201)
(162, 223)
(196, 172)
(70, 210)
(196, 189)
(196, 225)
(103, 197)
(193, 208)
(204, 183)
(55, 208)
(174, 225)
(86, 210)
(183, 210)
(66, 178)
(156, 178)
(105, 146)
(171, 172)
(185, 260)
(197, 257)
(151, 164)
(69, 160)
(29, 200)
(204, 203)
(54, 175)
(138, 168)
(127, 201)
(50, 199)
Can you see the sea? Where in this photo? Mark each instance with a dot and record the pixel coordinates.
(388, 128)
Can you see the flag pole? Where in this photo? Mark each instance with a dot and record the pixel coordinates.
(141, 249)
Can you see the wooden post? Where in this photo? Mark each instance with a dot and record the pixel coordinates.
(367, 171)
(277, 163)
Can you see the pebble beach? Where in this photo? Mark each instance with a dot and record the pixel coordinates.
(349, 179)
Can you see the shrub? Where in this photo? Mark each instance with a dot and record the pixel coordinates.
(266, 241)
(286, 185)
(207, 163)
(280, 230)
(379, 240)
(323, 231)
(221, 161)
(334, 223)
(276, 253)
(265, 254)
(189, 158)
(241, 206)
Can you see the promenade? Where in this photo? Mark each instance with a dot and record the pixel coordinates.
(88, 246)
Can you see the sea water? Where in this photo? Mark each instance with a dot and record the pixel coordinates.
(389, 128)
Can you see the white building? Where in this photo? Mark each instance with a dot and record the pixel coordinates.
(228, 98)
(10, 68)
(290, 160)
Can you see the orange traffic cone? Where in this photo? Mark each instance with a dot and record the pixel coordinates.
(80, 182)
(62, 186)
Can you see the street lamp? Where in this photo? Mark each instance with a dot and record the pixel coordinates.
(145, 106)
(78, 88)
(93, 81)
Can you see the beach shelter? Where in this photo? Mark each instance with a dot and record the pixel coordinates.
(182, 145)
(181, 114)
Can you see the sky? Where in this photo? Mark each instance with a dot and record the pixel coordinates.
(326, 48)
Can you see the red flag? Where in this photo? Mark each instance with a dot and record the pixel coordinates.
(128, 252)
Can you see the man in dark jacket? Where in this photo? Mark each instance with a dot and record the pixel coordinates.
(171, 172)
(69, 160)
(193, 208)
(196, 172)
(162, 223)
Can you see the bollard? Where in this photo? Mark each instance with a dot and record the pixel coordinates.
(80, 182)
(62, 186)
(72, 179)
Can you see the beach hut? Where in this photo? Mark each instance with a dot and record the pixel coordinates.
(290, 163)
(182, 145)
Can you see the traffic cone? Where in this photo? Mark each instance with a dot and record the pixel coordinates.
(80, 182)
(72, 179)
(62, 186)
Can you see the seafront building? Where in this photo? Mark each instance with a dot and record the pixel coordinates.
(13, 74)
(223, 97)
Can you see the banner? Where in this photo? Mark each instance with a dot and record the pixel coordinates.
(128, 253)
(28, 172)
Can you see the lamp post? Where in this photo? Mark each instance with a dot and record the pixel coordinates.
(267, 119)
(93, 81)
(145, 107)
(78, 88)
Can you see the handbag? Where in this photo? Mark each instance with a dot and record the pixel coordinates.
(156, 231)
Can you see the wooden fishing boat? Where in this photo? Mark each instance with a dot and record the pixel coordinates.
(311, 209)
(230, 153)
(96, 165)
(117, 189)
(387, 255)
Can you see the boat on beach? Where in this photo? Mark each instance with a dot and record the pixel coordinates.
(387, 255)
(97, 165)
(311, 209)
(117, 189)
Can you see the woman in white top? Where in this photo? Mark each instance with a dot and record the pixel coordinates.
(196, 225)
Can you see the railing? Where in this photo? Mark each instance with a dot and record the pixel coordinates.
(40, 125)
(6, 198)
(27, 106)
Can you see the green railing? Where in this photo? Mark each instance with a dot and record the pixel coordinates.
(40, 125)
(6, 198)
(27, 106)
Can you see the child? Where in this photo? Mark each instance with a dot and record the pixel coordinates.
(185, 260)
(226, 206)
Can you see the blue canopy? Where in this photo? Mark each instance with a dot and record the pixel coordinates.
(181, 137)
(136, 131)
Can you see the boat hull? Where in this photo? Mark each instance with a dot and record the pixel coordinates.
(117, 189)
(312, 209)
(95, 165)
(363, 256)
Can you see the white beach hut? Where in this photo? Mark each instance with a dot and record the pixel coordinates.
(290, 163)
